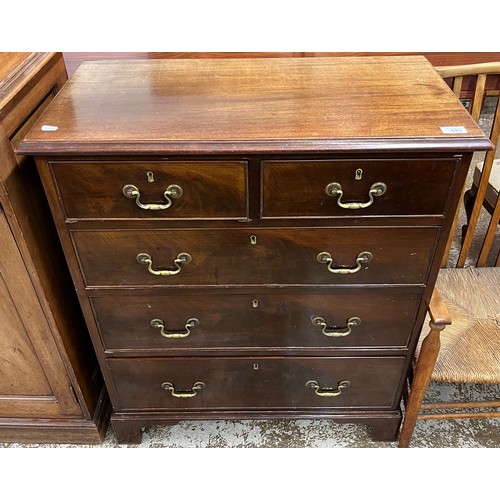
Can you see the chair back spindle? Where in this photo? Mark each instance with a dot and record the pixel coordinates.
(479, 74)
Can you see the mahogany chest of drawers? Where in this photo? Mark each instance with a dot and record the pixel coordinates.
(254, 238)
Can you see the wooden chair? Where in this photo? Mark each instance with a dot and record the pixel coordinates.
(468, 351)
(486, 179)
(490, 197)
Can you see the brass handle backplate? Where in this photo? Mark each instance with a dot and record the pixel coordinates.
(190, 323)
(335, 189)
(334, 331)
(328, 392)
(173, 191)
(326, 258)
(182, 258)
(190, 393)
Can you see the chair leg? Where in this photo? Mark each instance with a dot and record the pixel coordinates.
(429, 351)
(425, 364)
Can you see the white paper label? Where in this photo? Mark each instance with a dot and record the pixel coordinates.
(49, 128)
(453, 130)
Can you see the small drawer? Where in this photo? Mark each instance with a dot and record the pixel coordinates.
(256, 383)
(333, 188)
(257, 321)
(397, 255)
(158, 190)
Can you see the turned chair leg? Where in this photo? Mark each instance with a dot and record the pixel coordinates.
(429, 352)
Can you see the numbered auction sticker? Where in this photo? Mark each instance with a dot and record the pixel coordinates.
(453, 130)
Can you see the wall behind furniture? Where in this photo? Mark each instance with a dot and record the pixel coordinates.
(74, 59)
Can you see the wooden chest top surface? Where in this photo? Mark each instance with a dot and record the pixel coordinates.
(386, 103)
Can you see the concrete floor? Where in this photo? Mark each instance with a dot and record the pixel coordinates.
(464, 433)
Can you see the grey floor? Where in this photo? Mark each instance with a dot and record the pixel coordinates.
(465, 433)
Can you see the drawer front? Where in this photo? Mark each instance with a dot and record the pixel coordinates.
(208, 189)
(260, 256)
(265, 383)
(182, 322)
(306, 188)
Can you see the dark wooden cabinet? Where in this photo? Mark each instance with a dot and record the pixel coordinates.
(51, 388)
(254, 238)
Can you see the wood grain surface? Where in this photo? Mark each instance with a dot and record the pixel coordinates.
(50, 388)
(210, 189)
(280, 256)
(312, 112)
(299, 188)
(206, 105)
(256, 383)
(257, 320)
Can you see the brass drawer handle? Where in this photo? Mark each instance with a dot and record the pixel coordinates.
(182, 258)
(336, 332)
(328, 392)
(172, 191)
(190, 323)
(326, 258)
(335, 189)
(190, 393)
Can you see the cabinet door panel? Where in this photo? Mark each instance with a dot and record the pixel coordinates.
(33, 379)
(20, 371)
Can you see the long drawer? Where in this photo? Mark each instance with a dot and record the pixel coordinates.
(246, 320)
(246, 383)
(327, 188)
(152, 189)
(261, 256)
